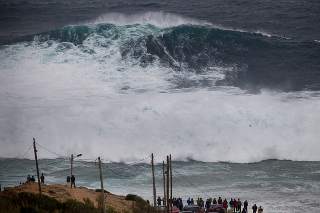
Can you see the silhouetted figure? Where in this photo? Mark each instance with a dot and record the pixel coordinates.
(73, 180)
(42, 178)
(219, 200)
(214, 201)
(245, 204)
(254, 208)
(180, 204)
(159, 201)
(231, 203)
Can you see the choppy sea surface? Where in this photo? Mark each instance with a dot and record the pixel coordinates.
(276, 185)
(230, 88)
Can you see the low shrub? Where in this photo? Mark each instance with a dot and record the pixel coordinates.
(142, 206)
(35, 203)
(99, 190)
(133, 197)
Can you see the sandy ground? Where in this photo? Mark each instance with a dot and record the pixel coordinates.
(62, 192)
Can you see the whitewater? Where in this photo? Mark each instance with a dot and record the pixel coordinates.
(238, 108)
(103, 87)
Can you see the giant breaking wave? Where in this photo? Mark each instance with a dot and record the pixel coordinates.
(124, 87)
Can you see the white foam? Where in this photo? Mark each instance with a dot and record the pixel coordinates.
(159, 19)
(104, 105)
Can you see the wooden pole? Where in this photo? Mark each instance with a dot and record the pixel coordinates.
(168, 204)
(170, 184)
(154, 184)
(103, 200)
(35, 155)
(71, 164)
(164, 188)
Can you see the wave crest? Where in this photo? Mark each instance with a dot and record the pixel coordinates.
(158, 19)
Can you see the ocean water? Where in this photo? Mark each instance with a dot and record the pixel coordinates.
(230, 88)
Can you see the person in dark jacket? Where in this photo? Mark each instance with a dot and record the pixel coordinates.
(254, 208)
(245, 204)
(214, 201)
(219, 200)
(231, 203)
(42, 178)
(175, 202)
(208, 204)
(73, 181)
(159, 201)
(180, 204)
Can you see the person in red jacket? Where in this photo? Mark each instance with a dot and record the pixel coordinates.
(225, 204)
(234, 205)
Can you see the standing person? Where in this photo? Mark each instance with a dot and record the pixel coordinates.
(214, 201)
(231, 204)
(68, 181)
(180, 204)
(225, 204)
(220, 201)
(189, 201)
(245, 204)
(33, 179)
(201, 203)
(177, 202)
(254, 208)
(192, 201)
(29, 178)
(208, 204)
(73, 181)
(234, 205)
(260, 209)
(239, 204)
(42, 178)
(198, 202)
(159, 201)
